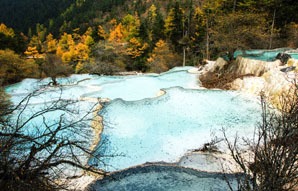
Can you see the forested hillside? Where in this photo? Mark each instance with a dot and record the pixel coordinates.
(108, 36)
(25, 14)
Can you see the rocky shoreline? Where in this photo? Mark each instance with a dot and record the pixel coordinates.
(163, 177)
(271, 79)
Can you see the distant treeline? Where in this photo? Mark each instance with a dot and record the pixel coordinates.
(107, 36)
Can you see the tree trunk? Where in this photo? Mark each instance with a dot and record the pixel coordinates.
(272, 29)
(234, 5)
(54, 80)
(184, 55)
(207, 40)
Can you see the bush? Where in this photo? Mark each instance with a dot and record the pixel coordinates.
(274, 165)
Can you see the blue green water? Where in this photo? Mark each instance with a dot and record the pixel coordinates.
(165, 128)
(135, 87)
(264, 55)
(140, 127)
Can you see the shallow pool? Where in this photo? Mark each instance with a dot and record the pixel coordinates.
(166, 127)
(139, 125)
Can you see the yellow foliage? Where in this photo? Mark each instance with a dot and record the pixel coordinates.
(32, 52)
(160, 44)
(88, 40)
(82, 52)
(116, 35)
(169, 22)
(6, 31)
(113, 22)
(79, 67)
(67, 56)
(71, 51)
(162, 58)
(88, 31)
(70, 41)
(13, 68)
(66, 42)
(131, 26)
(51, 44)
(35, 42)
(101, 32)
(59, 51)
(136, 48)
(152, 12)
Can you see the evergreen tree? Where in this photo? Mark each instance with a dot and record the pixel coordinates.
(175, 25)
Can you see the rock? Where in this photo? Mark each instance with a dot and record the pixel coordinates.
(253, 76)
(213, 66)
(252, 85)
(283, 57)
(246, 66)
(288, 69)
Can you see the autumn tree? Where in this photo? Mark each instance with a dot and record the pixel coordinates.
(136, 48)
(35, 42)
(14, 68)
(131, 26)
(11, 40)
(6, 31)
(6, 36)
(101, 33)
(162, 58)
(117, 34)
(32, 52)
(66, 46)
(50, 44)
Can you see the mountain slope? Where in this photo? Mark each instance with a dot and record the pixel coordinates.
(23, 14)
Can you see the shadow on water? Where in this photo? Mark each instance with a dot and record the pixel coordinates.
(164, 177)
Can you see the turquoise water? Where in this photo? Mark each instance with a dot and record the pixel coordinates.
(264, 55)
(140, 127)
(132, 88)
(165, 128)
(129, 88)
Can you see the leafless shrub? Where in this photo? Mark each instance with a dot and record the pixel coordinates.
(40, 146)
(274, 149)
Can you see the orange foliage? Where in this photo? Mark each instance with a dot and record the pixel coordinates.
(32, 52)
(116, 35)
